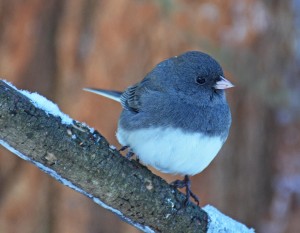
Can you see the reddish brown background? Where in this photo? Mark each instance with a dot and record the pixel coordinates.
(57, 47)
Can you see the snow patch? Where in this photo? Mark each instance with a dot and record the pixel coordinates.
(42, 103)
(220, 223)
(112, 147)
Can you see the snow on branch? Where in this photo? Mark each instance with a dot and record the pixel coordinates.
(34, 129)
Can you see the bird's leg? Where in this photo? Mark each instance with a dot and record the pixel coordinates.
(123, 148)
(186, 182)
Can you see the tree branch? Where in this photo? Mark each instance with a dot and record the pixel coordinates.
(79, 157)
(82, 159)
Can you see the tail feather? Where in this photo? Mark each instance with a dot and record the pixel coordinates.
(114, 95)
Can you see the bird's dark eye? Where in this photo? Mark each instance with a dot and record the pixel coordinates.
(200, 80)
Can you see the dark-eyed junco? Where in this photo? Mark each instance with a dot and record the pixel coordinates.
(177, 118)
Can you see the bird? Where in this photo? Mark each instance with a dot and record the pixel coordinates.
(177, 118)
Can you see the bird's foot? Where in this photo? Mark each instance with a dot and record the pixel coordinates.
(186, 183)
(129, 154)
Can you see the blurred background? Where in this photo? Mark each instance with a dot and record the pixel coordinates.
(57, 47)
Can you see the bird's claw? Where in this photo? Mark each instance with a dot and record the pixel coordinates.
(129, 154)
(187, 184)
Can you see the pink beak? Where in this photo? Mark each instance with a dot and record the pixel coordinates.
(223, 84)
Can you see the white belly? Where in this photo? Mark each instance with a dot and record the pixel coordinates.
(171, 150)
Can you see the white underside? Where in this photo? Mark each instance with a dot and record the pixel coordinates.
(171, 150)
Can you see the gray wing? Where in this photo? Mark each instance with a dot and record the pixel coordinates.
(131, 97)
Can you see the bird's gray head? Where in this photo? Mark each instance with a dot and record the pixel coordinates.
(194, 74)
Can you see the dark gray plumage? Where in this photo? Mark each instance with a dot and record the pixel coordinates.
(170, 96)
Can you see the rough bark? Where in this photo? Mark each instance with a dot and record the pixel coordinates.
(86, 160)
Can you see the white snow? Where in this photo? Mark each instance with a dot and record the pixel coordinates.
(42, 103)
(112, 147)
(220, 223)
(69, 184)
